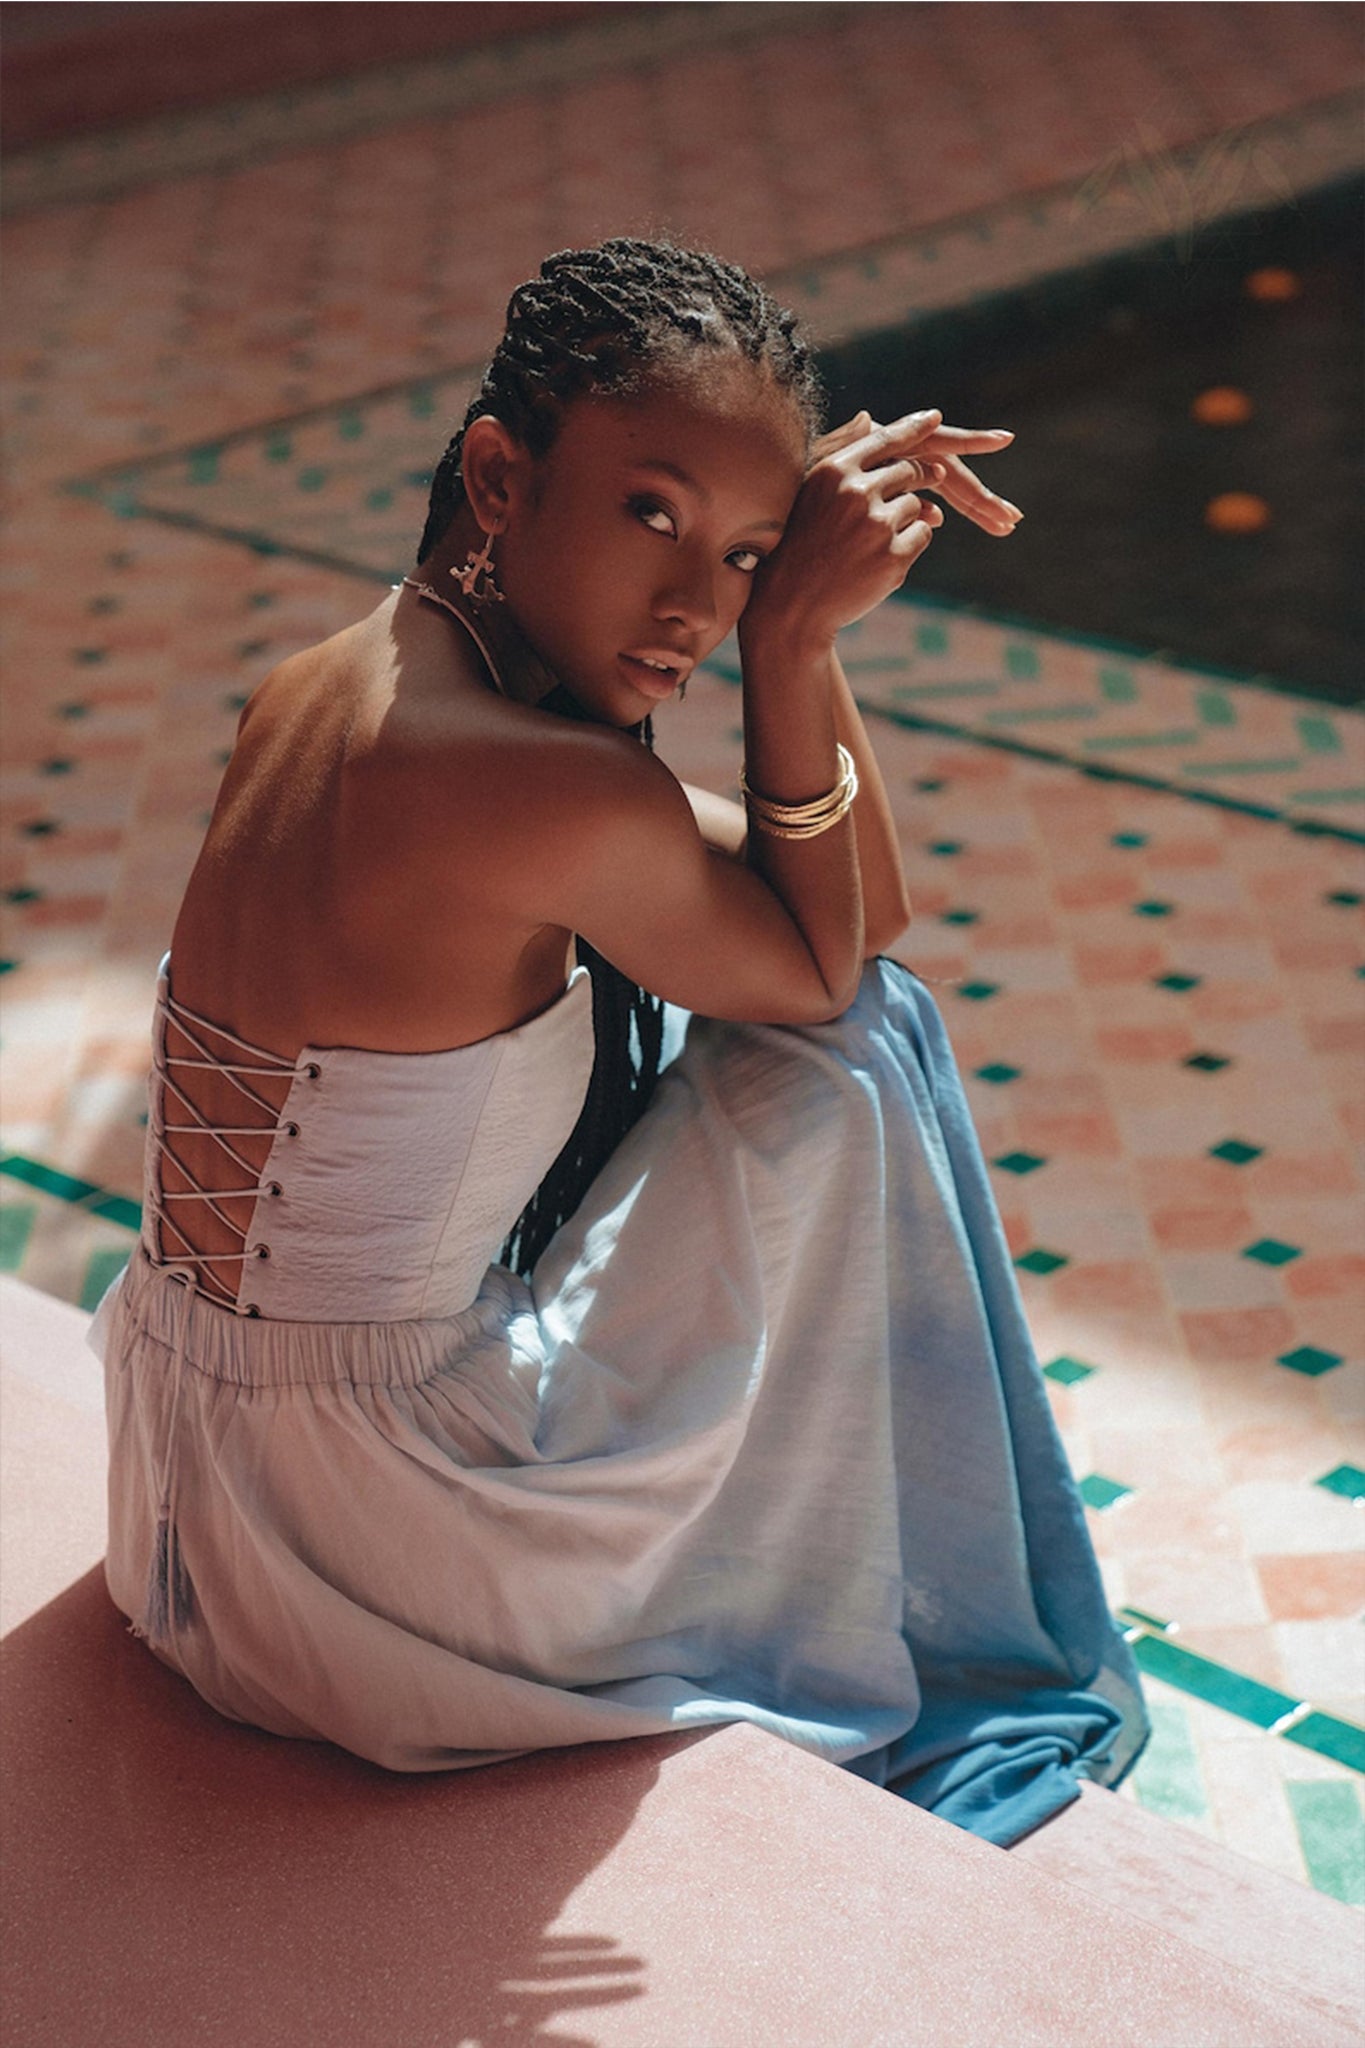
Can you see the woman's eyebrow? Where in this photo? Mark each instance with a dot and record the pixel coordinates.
(663, 468)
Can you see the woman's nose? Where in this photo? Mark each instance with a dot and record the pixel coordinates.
(689, 596)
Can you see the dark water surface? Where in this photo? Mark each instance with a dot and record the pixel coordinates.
(1096, 372)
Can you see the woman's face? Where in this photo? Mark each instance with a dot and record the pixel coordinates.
(636, 539)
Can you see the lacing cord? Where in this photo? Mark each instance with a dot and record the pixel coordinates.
(170, 1596)
(190, 1024)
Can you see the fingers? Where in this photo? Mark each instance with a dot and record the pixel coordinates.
(840, 437)
(910, 543)
(969, 496)
(887, 442)
(913, 473)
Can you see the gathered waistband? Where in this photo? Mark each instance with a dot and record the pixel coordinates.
(258, 1351)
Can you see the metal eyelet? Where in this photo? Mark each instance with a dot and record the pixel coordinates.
(262, 1251)
(291, 1130)
(312, 1070)
(274, 1188)
(249, 1308)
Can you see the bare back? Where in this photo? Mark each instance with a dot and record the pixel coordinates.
(333, 902)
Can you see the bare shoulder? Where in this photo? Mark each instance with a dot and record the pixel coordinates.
(527, 794)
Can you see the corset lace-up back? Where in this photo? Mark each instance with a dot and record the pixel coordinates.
(352, 1185)
(172, 1096)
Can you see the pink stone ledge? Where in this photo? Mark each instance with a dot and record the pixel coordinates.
(171, 1877)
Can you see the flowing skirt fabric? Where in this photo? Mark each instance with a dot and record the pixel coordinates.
(765, 1439)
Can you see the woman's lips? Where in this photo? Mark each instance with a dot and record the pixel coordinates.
(651, 682)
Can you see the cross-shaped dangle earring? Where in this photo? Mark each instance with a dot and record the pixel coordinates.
(476, 566)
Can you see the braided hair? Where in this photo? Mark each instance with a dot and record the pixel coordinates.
(611, 320)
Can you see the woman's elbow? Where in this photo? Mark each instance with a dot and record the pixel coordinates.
(882, 935)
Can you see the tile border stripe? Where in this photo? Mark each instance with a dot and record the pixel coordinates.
(68, 1187)
(1247, 1699)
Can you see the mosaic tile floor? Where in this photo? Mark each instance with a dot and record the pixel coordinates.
(229, 365)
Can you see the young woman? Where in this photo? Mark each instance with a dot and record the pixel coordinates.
(744, 1423)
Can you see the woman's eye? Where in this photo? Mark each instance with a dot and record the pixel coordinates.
(746, 560)
(650, 513)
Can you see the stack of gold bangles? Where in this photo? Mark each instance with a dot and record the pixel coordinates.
(804, 821)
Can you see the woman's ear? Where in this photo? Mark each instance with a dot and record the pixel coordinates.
(491, 463)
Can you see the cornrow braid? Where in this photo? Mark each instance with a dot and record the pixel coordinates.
(609, 320)
(602, 320)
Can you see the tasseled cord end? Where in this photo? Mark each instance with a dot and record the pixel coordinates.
(170, 1596)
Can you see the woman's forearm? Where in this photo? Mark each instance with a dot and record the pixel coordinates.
(790, 756)
(886, 899)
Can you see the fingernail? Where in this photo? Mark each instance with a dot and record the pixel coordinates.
(932, 414)
(999, 434)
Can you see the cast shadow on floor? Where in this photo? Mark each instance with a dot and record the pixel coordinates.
(171, 1875)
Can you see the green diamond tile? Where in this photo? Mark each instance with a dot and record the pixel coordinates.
(1153, 909)
(1235, 1152)
(8, 966)
(1179, 982)
(1098, 1492)
(23, 895)
(1040, 1261)
(1308, 1360)
(997, 1073)
(40, 828)
(959, 916)
(1168, 1779)
(978, 991)
(1128, 839)
(1327, 1817)
(57, 766)
(1068, 1371)
(73, 711)
(1117, 686)
(1019, 1162)
(1206, 1062)
(1346, 897)
(103, 1267)
(1347, 1480)
(929, 783)
(1021, 661)
(16, 1221)
(1325, 1735)
(1268, 1251)
(945, 846)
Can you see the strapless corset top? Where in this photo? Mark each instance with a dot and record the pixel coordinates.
(392, 1179)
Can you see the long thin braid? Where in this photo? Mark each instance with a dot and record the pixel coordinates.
(606, 320)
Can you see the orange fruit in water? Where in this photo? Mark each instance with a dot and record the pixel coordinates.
(1237, 512)
(1272, 283)
(1222, 406)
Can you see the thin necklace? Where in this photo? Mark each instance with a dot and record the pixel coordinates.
(425, 590)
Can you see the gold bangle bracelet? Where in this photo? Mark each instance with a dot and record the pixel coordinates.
(819, 810)
(805, 820)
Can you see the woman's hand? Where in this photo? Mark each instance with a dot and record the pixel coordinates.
(858, 522)
(958, 486)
